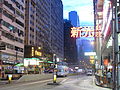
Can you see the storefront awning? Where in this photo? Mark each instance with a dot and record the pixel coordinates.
(20, 64)
(50, 62)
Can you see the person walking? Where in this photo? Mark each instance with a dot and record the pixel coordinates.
(109, 76)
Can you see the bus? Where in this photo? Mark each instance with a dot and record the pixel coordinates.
(62, 70)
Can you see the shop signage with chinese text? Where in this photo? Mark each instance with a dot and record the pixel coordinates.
(77, 32)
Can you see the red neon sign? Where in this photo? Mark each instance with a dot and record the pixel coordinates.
(84, 32)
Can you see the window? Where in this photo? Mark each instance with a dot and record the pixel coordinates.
(31, 22)
(8, 15)
(13, 0)
(0, 10)
(22, 1)
(18, 5)
(0, 21)
(19, 22)
(17, 12)
(1, 1)
(5, 24)
(20, 14)
(9, 6)
(22, 8)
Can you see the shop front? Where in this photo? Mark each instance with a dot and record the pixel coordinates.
(36, 65)
(33, 65)
(36, 60)
(8, 63)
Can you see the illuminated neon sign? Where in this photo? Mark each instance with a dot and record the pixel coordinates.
(84, 32)
(36, 52)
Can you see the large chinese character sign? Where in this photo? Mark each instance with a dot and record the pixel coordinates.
(78, 32)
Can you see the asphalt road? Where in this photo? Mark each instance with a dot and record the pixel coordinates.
(79, 82)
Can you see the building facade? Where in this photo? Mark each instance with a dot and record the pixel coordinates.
(44, 26)
(56, 26)
(103, 22)
(107, 46)
(70, 47)
(12, 17)
(74, 18)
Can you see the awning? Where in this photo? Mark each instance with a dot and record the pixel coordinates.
(50, 62)
(20, 64)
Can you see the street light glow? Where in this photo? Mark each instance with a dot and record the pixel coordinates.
(92, 42)
(39, 47)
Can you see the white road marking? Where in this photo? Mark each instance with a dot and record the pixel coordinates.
(36, 82)
(64, 80)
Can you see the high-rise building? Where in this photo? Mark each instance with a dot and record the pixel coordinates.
(74, 18)
(57, 30)
(44, 26)
(37, 25)
(70, 48)
(11, 32)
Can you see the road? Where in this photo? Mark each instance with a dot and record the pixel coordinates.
(79, 82)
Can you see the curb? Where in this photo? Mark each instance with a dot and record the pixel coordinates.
(97, 84)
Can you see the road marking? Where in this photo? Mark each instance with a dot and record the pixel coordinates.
(37, 82)
(64, 80)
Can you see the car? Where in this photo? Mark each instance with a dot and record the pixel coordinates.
(89, 72)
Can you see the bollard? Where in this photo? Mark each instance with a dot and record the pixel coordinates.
(55, 78)
(9, 78)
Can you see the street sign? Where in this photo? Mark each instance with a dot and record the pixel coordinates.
(2, 47)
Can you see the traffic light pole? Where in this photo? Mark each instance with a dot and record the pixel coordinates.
(55, 68)
(54, 71)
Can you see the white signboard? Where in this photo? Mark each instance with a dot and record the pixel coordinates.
(90, 53)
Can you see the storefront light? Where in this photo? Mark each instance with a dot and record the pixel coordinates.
(39, 47)
(110, 67)
(119, 39)
(109, 42)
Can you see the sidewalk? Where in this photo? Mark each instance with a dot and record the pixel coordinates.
(101, 85)
(28, 78)
(3, 82)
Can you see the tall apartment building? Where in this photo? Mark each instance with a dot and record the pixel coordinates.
(11, 31)
(44, 26)
(57, 31)
(37, 25)
(74, 18)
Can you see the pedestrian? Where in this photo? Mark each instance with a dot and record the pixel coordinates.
(2, 74)
(109, 75)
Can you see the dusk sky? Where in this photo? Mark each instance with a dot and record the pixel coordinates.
(84, 9)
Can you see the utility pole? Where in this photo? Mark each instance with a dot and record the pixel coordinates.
(115, 47)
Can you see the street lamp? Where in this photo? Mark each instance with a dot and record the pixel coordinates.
(39, 48)
(92, 42)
